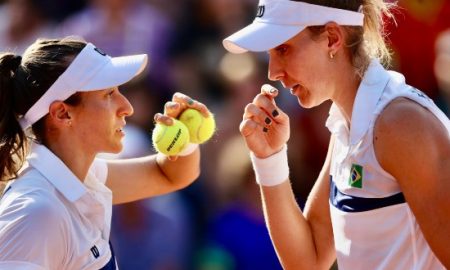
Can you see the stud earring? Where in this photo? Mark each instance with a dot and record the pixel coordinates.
(331, 55)
(70, 123)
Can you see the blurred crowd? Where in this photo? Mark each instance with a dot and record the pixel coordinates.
(217, 222)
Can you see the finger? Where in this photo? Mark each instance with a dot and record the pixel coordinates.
(257, 114)
(188, 102)
(172, 109)
(269, 91)
(268, 105)
(163, 119)
(248, 127)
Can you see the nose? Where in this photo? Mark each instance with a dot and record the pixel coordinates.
(275, 70)
(125, 108)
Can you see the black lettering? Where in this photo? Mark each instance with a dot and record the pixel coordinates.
(177, 136)
(260, 11)
(95, 252)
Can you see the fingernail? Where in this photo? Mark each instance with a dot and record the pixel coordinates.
(275, 113)
(267, 120)
(273, 90)
(265, 129)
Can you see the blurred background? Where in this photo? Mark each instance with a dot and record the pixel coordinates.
(217, 222)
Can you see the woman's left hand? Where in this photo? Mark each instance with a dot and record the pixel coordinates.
(179, 103)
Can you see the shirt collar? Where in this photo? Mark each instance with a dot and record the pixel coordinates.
(369, 92)
(56, 172)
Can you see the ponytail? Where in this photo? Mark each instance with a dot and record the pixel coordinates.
(22, 83)
(375, 12)
(12, 138)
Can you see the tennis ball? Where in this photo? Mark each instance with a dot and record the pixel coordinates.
(170, 140)
(200, 128)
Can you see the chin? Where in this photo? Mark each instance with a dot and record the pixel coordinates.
(309, 103)
(115, 149)
(306, 103)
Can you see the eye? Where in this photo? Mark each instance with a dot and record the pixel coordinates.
(282, 49)
(111, 91)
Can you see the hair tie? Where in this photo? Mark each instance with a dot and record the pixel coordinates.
(16, 61)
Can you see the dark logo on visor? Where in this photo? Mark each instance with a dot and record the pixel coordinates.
(260, 11)
(100, 51)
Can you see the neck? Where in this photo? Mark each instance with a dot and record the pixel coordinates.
(346, 87)
(73, 155)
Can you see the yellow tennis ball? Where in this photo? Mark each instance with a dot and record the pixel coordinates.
(170, 140)
(200, 128)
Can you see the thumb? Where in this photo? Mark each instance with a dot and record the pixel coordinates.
(269, 91)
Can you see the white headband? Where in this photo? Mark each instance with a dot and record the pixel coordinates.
(279, 20)
(91, 70)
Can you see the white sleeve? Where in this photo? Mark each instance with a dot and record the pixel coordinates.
(32, 234)
(16, 265)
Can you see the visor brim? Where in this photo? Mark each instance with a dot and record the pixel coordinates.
(260, 36)
(116, 72)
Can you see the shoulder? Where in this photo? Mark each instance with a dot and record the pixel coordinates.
(35, 206)
(408, 137)
(32, 226)
(404, 119)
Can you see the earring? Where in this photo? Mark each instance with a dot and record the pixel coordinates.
(331, 55)
(70, 123)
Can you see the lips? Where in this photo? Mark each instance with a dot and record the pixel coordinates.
(121, 128)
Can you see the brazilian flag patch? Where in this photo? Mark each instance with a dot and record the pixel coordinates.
(356, 176)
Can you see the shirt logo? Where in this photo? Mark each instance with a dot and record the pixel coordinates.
(100, 51)
(356, 176)
(95, 252)
(419, 93)
(260, 11)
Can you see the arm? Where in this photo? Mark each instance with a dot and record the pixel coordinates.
(154, 175)
(414, 147)
(302, 240)
(150, 176)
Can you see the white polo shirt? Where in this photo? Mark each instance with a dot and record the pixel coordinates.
(373, 225)
(49, 219)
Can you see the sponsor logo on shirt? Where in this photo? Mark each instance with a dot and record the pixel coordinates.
(419, 93)
(356, 176)
(100, 51)
(95, 252)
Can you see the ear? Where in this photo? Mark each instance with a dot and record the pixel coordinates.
(60, 113)
(335, 36)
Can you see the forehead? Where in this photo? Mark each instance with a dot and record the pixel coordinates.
(297, 40)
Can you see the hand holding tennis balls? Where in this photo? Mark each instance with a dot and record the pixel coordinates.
(171, 136)
(200, 128)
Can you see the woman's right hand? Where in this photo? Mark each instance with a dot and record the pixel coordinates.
(265, 127)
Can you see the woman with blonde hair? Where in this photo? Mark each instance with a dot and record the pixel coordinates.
(380, 201)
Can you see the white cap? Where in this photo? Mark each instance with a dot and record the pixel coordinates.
(279, 20)
(91, 70)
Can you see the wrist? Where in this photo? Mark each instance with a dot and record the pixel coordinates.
(273, 170)
(190, 148)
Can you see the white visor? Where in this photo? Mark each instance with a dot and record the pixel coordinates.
(90, 70)
(279, 20)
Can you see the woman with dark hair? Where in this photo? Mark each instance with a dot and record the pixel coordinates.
(381, 200)
(60, 107)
